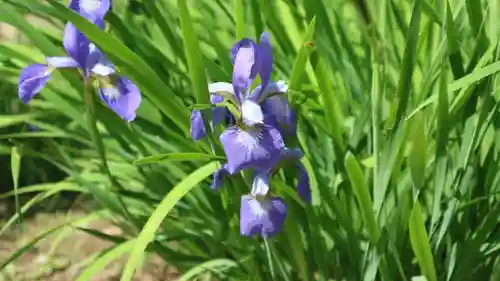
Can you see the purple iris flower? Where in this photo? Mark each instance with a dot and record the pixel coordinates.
(119, 93)
(254, 140)
(260, 213)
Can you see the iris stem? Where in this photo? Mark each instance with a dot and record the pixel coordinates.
(269, 259)
(92, 123)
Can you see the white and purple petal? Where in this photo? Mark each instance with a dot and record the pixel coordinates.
(97, 63)
(61, 62)
(218, 87)
(197, 129)
(260, 184)
(251, 113)
(264, 217)
(31, 81)
(93, 10)
(278, 87)
(245, 67)
(257, 147)
(124, 98)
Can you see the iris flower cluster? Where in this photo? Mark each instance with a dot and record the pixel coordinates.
(254, 135)
(119, 93)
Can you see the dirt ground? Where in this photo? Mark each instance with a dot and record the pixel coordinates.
(56, 259)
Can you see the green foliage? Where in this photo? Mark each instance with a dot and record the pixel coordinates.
(397, 104)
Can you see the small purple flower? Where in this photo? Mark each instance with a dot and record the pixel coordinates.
(122, 96)
(264, 217)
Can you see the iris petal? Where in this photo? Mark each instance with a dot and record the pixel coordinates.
(198, 130)
(76, 44)
(272, 88)
(123, 99)
(251, 113)
(32, 79)
(217, 87)
(264, 217)
(265, 60)
(93, 10)
(259, 148)
(61, 62)
(260, 185)
(245, 67)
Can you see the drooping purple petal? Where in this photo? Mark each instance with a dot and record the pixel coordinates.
(245, 67)
(198, 130)
(123, 99)
(218, 176)
(76, 45)
(260, 184)
(264, 217)
(303, 187)
(265, 60)
(93, 10)
(61, 62)
(257, 147)
(31, 80)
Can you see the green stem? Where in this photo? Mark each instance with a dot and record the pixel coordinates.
(92, 123)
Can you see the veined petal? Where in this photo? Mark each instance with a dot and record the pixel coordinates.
(61, 62)
(198, 130)
(218, 87)
(251, 113)
(245, 67)
(123, 99)
(257, 147)
(260, 185)
(218, 175)
(303, 187)
(92, 10)
(265, 60)
(31, 80)
(103, 69)
(264, 217)
(76, 44)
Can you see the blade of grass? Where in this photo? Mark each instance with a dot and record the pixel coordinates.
(163, 209)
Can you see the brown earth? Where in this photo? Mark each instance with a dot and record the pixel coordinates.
(62, 259)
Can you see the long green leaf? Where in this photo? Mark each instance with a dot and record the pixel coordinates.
(148, 232)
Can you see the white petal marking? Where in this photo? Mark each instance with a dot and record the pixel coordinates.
(111, 93)
(90, 6)
(251, 113)
(259, 208)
